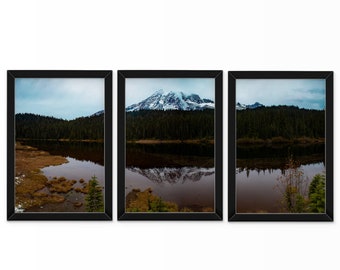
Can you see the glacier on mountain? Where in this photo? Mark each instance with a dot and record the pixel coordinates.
(171, 100)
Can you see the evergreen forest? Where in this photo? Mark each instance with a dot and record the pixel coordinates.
(170, 125)
(288, 122)
(33, 126)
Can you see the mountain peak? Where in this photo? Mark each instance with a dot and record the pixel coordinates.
(172, 100)
(98, 113)
(240, 106)
(159, 92)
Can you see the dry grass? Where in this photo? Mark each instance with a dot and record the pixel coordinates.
(145, 201)
(279, 140)
(60, 185)
(28, 162)
(28, 158)
(84, 189)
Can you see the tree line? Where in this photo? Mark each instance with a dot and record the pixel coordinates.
(170, 125)
(280, 121)
(33, 126)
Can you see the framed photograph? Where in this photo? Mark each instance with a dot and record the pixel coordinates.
(169, 145)
(280, 146)
(59, 145)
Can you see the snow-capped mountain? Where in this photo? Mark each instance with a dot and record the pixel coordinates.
(240, 106)
(161, 100)
(173, 175)
(98, 113)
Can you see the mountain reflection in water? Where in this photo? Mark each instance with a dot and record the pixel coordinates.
(179, 173)
(191, 187)
(174, 175)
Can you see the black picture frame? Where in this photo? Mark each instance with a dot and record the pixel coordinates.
(126, 74)
(11, 76)
(233, 76)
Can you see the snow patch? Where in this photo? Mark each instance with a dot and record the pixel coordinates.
(171, 100)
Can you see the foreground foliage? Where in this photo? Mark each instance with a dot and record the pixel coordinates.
(94, 198)
(297, 196)
(145, 201)
(317, 194)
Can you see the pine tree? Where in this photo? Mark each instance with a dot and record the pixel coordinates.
(316, 194)
(94, 197)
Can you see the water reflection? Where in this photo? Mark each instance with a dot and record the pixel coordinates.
(76, 169)
(190, 187)
(257, 192)
(258, 170)
(84, 161)
(173, 175)
(263, 158)
(83, 151)
(169, 155)
(179, 173)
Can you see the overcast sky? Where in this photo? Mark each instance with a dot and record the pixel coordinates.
(60, 98)
(140, 89)
(304, 93)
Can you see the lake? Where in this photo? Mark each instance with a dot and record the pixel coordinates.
(179, 173)
(85, 160)
(258, 169)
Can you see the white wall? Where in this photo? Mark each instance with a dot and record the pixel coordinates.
(167, 34)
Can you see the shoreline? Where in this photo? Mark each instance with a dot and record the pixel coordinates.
(279, 141)
(156, 141)
(60, 140)
(29, 179)
(33, 190)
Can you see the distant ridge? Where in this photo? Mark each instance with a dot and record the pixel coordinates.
(240, 106)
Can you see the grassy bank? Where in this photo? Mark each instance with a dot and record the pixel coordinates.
(32, 188)
(61, 140)
(279, 140)
(146, 201)
(154, 141)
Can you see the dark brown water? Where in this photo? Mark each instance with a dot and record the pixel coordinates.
(181, 173)
(258, 170)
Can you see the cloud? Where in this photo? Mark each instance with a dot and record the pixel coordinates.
(304, 93)
(61, 98)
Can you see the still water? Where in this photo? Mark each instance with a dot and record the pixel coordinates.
(85, 160)
(258, 171)
(183, 174)
(76, 169)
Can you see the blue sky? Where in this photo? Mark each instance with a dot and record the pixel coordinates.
(304, 93)
(58, 97)
(137, 89)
